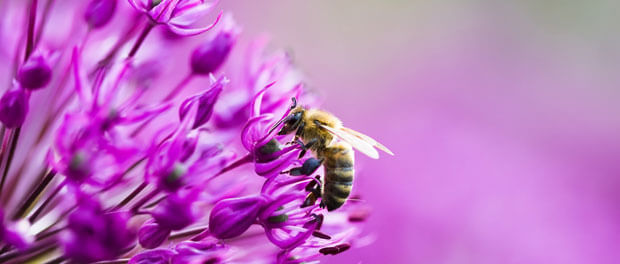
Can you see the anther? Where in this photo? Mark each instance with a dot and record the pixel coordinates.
(359, 215)
(335, 250)
(319, 218)
(320, 234)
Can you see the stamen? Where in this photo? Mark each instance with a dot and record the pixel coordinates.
(319, 218)
(320, 234)
(359, 215)
(335, 250)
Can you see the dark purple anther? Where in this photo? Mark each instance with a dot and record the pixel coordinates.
(335, 250)
(35, 73)
(99, 12)
(14, 107)
(320, 234)
(359, 215)
(209, 56)
(231, 217)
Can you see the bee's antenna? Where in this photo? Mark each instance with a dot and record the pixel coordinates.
(278, 123)
(294, 102)
(285, 119)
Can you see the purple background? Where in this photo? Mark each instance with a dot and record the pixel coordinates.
(503, 116)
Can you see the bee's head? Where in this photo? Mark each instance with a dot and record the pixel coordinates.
(292, 121)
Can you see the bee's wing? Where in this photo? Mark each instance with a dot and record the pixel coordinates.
(356, 142)
(369, 140)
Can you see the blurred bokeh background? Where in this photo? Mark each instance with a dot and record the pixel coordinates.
(503, 114)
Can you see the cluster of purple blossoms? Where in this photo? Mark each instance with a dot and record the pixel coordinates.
(107, 156)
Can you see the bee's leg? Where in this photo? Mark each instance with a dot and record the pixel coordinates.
(315, 193)
(298, 133)
(309, 167)
(311, 187)
(310, 200)
(307, 146)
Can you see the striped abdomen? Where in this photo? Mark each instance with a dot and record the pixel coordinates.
(339, 172)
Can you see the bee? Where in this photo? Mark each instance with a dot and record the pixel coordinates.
(332, 144)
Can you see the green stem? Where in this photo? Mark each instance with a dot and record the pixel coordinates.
(145, 32)
(136, 207)
(49, 199)
(130, 197)
(7, 167)
(34, 194)
(31, 23)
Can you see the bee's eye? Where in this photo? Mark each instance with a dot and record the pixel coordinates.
(294, 119)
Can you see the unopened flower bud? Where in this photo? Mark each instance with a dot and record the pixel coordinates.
(206, 103)
(99, 12)
(231, 217)
(152, 235)
(13, 107)
(210, 55)
(35, 73)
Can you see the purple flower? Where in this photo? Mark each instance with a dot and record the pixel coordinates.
(286, 224)
(151, 235)
(259, 137)
(209, 56)
(205, 102)
(178, 15)
(92, 234)
(14, 106)
(176, 212)
(99, 12)
(258, 72)
(15, 234)
(231, 217)
(176, 162)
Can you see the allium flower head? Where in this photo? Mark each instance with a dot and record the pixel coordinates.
(124, 166)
